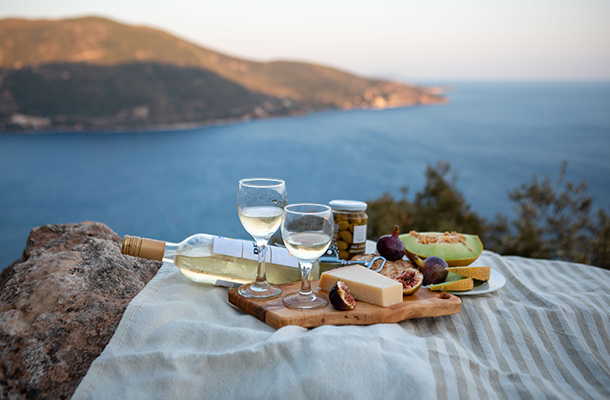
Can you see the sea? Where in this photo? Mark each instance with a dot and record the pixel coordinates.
(170, 184)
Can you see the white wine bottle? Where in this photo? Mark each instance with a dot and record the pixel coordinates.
(217, 260)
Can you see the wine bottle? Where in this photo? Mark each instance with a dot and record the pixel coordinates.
(217, 260)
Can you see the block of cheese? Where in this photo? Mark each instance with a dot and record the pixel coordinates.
(364, 284)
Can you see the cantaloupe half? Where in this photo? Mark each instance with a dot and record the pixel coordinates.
(460, 285)
(476, 272)
(456, 254)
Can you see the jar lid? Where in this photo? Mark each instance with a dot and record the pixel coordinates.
(348, 205)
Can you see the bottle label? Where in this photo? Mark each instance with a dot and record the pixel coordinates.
(359, 234)
(283, 257)
(248, 250)
(227, 247)
(227, 284)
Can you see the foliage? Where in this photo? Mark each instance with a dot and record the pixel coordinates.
(553, 221)
(439, 206)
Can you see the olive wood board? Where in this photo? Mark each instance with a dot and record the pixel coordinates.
(423, 303)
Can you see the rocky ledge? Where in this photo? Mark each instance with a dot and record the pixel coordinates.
(60, 305)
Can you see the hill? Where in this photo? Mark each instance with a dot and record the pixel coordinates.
(94, 72)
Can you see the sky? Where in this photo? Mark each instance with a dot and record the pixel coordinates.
(411, 40)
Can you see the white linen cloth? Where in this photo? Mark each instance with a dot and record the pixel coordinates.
(546, 334)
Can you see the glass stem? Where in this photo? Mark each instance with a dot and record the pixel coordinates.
(305, 284)
(261, 274)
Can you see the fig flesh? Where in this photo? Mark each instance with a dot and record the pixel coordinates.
(340, 297)
(411, 280)
(457, 249)
(391, 247)
(433, 268)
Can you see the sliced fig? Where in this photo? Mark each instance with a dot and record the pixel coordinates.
(457, 249)
(340, 297)
(391, 247)
(411, 280)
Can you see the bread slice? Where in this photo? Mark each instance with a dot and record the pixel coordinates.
(391, 268)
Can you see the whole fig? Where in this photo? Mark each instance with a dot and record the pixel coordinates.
(433, 268)
(391, 247)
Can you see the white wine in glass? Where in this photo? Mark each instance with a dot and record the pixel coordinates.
(307, 230)
(260, 206)
(261, 221)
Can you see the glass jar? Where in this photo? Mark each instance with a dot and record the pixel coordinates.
(350, 227)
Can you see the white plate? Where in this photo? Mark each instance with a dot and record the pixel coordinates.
(495, 282)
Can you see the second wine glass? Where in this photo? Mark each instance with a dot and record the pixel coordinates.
(260, 205)
(307, 230)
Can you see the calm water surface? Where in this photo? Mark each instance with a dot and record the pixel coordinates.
(171, 184)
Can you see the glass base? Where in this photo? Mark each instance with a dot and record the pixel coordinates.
(257, 290)
(305, 301)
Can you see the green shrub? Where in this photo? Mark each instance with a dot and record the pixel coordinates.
(553, 221)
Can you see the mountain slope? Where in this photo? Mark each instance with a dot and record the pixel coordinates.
(134, 94)
(33, 45)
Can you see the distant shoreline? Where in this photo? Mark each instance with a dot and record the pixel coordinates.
(183, 126)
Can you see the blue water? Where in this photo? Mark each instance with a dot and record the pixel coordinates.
(170, 184)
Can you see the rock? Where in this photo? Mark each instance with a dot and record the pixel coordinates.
(60, 305)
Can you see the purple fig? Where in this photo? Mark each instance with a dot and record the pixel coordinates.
(433, 268)
(391, 247)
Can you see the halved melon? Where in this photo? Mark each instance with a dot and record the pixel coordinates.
(457, 249)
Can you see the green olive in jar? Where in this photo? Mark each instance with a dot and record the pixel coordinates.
(341, 245)
(343, 225)
(350, 227)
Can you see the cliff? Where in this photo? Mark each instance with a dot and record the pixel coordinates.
(60, 305)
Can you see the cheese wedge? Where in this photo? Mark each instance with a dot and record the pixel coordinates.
(364, 284)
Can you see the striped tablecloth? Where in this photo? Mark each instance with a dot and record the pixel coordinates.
(545, 334)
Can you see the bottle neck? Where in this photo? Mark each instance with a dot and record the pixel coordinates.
(146, 248)
(171, 249)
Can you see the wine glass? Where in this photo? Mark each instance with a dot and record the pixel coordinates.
(260, 206)
(307, 231)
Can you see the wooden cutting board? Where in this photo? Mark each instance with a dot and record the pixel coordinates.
(424, 303)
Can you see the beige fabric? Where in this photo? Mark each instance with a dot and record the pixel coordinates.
(541, 336)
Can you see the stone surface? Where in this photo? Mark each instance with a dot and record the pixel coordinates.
(60, 305)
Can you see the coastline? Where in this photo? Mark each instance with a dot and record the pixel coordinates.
(440, 99)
